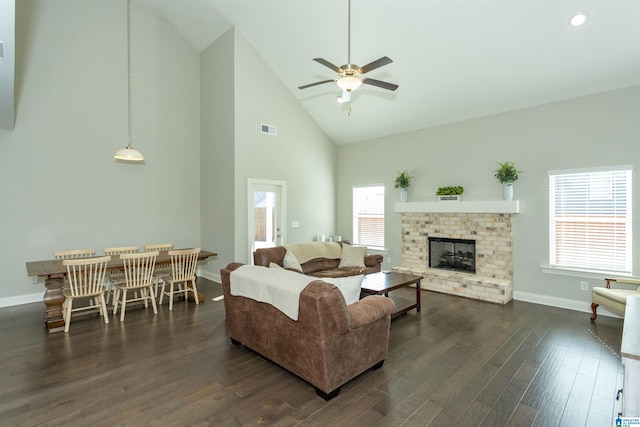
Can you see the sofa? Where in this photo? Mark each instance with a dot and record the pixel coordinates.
(329, 344)
(321, 259)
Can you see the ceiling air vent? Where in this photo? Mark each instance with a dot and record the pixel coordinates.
(268, 129)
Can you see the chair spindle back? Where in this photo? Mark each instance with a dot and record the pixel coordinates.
(73, 254)
(139, 268)
(86, 275)
(183, 263)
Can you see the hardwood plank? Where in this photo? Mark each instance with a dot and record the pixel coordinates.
(458, 362)
(523, 416)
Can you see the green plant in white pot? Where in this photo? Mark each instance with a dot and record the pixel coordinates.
(450, 193)
(507, 174)
(403, 181)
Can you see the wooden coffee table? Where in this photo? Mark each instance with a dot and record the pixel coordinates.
(383, 283)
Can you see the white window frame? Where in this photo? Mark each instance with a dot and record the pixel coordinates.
(356, 215)
(580, 247)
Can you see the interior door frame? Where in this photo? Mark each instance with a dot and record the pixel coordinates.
(252, 185)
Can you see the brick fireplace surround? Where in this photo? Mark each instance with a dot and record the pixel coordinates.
(492, 232)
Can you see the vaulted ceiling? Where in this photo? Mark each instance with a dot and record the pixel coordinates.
(452, 59)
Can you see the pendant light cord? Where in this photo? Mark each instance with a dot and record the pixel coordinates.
(129, 72)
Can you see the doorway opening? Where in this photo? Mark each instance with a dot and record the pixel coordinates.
(266, 214)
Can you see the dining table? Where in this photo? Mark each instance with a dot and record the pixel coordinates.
(53, 273)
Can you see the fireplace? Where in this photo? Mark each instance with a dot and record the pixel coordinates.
(493, 236)
(452, 254)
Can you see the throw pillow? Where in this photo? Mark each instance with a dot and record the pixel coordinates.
(290, 261)
(352, 256)
(349, 286)
(274, 265)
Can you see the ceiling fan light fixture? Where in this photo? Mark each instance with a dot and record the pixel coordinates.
(349, 83)
(349, 75)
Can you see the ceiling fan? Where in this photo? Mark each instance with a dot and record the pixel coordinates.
(349, 75)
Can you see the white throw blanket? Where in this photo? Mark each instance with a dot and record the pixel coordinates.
(278, 287)
(307, 251)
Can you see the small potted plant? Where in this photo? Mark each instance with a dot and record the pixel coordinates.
(507, 174)
(453, 193)
(403, 180)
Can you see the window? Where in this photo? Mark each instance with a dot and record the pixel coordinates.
(368, 216)
(590, 219)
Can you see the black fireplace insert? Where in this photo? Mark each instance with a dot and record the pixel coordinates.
(452, 254)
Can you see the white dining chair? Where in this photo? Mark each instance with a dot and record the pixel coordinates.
(183, 275)
(74, 253)
(86, 280)
(138, 275)
(161, 270)
(118, 275)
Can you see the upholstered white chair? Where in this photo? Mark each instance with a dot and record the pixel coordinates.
(612, 299)
(161, 270)
(138, 275)
(117, 276)
(86, 280)
(183, 275)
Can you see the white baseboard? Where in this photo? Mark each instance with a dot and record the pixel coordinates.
(22, 299)
(209, 275)
(39, 297)
(569, 304)
(565, 303)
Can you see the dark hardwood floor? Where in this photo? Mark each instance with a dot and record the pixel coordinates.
(457, 363)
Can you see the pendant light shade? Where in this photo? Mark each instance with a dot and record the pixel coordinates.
(127, 153)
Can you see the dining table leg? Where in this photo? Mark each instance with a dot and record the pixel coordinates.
(53, 300)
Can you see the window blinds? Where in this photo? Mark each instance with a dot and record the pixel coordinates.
(590, 220)
(368, 216)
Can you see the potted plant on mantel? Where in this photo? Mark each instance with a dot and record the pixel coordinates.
(507, 174)
(403, 181)
(453, 193)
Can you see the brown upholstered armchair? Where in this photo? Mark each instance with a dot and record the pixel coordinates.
(330, 343)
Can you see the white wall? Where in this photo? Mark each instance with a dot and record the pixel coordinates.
(60, 187)
(597, 130)
(301, 154)
(217, 162)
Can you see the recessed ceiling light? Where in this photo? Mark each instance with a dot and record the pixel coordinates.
(578, 19)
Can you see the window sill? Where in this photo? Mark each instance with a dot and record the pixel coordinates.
(574, 272)
(377, 250)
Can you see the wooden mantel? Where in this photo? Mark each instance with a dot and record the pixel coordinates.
(482, 206)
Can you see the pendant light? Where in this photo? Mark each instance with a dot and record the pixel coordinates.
(128, 153)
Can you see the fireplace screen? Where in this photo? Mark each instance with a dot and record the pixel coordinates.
(452, 254)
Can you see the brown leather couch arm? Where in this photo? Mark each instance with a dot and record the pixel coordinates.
(233, 265)
(268, 255)
(369, 309)
(373, 260)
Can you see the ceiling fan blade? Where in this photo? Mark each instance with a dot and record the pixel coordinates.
(375, 64)
(383, 85)
(316, 83)
(328, 64)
